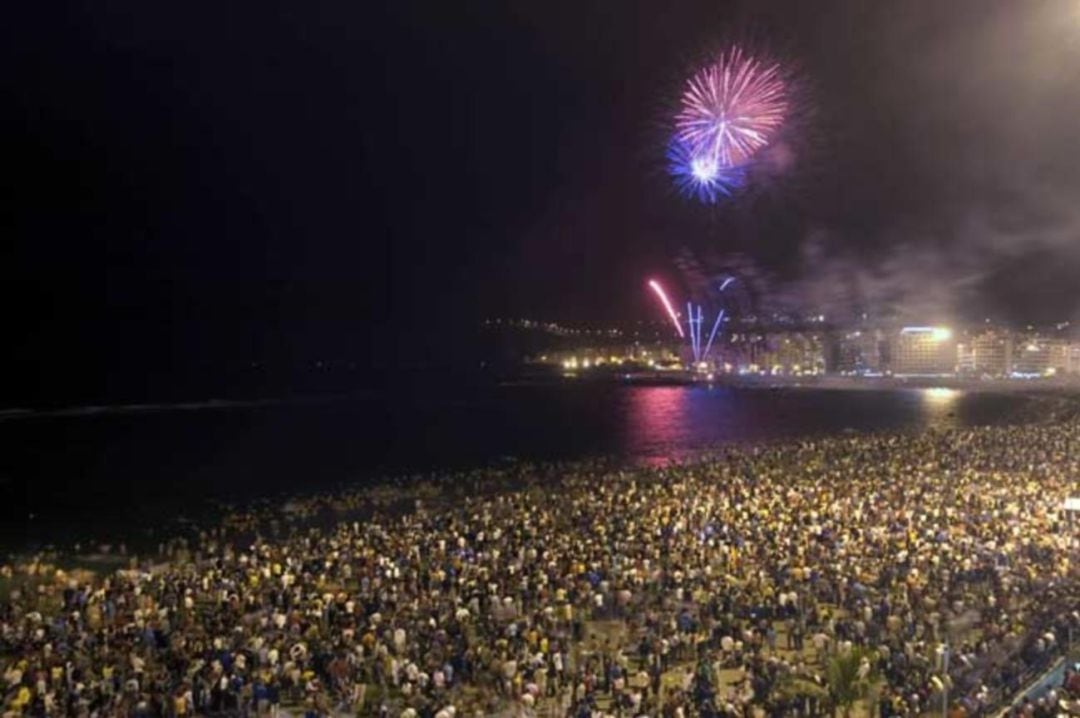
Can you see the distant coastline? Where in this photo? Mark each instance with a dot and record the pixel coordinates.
(830, 381)
(891, 383)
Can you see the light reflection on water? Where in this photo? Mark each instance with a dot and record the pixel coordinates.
(665, 424)
(657, 418)
(940, 394)
(939, 404)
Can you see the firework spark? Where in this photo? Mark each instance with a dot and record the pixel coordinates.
(701, 176)
(655, 286)
(731, 109)
(712, 334)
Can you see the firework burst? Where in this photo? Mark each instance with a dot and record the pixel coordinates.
(732, 108)
(700, 175)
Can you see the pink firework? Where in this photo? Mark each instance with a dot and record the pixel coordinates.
(732, 108)
(655, 286)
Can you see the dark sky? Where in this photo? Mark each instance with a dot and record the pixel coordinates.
(192, 182)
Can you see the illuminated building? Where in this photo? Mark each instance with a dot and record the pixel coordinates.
(1059, 357)
(857, 352)
(1072, 359)
(783, 353)
(1040, 356)
(965, 357)
(987, 353)
(924, 351)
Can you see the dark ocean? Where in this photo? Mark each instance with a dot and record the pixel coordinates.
(111, 471)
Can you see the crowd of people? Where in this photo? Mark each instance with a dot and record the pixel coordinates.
(939, 563)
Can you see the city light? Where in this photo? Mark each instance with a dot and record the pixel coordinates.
(938, 334)
(927, 351)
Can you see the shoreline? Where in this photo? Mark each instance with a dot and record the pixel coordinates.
(396, 494)
(1043, 404)
(993, 386)
(823, 382)
(1035, 403)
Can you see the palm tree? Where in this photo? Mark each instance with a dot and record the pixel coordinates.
(800, 690)
(850, 675)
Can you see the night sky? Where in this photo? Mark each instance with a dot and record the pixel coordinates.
(192, 183)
